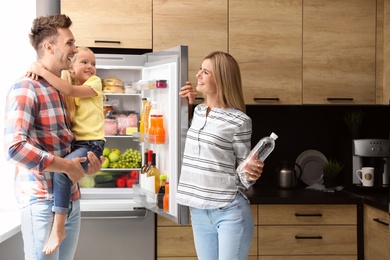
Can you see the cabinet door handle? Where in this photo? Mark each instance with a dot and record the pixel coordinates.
(265, 99)
(308, 215)
(339, 99)
(308, 237)
(102, 41)
(380, 221)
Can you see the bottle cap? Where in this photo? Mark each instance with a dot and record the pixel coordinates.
(273, 136)
(163, 177)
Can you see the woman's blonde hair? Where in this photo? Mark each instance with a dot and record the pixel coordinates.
(68, 76)
(227, 77)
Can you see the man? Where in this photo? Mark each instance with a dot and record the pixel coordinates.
(37, 136)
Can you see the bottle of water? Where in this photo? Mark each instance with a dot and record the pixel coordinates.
(262, 149)
(265, 146)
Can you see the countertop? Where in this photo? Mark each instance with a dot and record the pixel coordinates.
(263, 193)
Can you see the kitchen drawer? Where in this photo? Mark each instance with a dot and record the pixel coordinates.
(376, 234)
(307, 214)
(175, 241)
(307, 240)
(317, 257)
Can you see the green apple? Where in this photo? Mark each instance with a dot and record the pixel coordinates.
(106, 151)
(106, 163)
(116, 150)
(113, 156)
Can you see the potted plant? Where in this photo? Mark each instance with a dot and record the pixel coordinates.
(354, 120)
(331, 171)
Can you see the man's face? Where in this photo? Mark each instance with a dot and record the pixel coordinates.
(63, 50)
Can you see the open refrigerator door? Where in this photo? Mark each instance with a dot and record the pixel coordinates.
(171, 67)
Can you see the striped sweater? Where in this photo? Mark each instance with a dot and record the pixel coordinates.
(215, 145)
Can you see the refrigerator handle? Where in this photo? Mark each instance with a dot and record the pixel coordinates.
(132, 214)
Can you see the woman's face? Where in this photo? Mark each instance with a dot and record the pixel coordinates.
(85, 66)
(206, 83)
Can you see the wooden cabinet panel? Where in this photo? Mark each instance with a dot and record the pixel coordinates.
(376, 234)
(121, 23)
(201, 25)
(307, 214)
(339, 40)
(307, 240)
(266, 39)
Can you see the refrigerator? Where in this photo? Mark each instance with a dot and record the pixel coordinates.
(170, 66)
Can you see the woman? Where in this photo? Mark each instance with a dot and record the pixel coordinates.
(217, 141)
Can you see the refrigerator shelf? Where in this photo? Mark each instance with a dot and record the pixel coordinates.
(119, 169)
(120, 136)
(146, 138)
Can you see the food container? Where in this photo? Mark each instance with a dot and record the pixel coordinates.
(161, 83)
(130, 89)
(110, 126)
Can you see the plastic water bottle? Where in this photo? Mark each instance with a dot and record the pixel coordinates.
(265, 146)
(262, 150)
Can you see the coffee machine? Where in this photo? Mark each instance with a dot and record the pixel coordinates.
(371, 153)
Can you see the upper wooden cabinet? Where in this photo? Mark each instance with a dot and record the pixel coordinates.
(339, 48)
(266, 39)
(201, 25)
(110, 24)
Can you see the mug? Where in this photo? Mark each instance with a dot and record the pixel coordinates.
(367, 176)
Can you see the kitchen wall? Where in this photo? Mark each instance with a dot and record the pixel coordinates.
(314, 127)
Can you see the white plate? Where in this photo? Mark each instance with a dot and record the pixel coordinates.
(311, 162)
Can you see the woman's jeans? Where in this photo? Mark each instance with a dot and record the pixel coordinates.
(37, 221)
(224, 233)
(62, 185)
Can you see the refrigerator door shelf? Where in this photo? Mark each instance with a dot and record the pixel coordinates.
(149, 200)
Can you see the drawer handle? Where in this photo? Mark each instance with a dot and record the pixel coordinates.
(101, 41)
(308, 215)
(266, 99)
(308, 237)
(380, 221)
(340, 99)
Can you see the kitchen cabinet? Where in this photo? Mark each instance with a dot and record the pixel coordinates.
(266, 39)
(175, 242)
(311, 230)
(339, 52)
(200, 25)
(383, 52)
(111, 24)
(376, 233)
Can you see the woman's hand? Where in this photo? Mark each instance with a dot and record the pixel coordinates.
(254, 169)
(189, 92)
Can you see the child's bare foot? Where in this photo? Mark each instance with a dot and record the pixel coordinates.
(55, 239)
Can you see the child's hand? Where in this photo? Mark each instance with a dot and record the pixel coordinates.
(34, 71)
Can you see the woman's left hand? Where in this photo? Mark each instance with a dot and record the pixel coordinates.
(254, 169)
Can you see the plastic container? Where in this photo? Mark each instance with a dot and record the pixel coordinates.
(161, 83)
(261, 151)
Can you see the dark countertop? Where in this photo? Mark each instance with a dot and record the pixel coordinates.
(263, 193)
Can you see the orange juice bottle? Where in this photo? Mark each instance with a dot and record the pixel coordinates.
(166, 197)
(160, 130)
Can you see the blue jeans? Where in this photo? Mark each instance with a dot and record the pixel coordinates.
(224, 233)
(36, 224)
(62, 185)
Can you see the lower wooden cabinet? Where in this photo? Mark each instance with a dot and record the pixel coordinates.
(175, 242)
(376, 234)
(282, 231)
(295, 231)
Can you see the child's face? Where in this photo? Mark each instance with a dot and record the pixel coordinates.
(84, 66)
